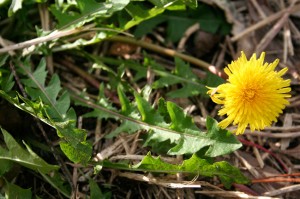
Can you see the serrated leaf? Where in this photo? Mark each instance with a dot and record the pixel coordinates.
(219, 141)
(89, 11)
(66, 130)
(224, 141)
(35, 87)
(180, 121)
(26, 158)
(213, 80)
(148, 114)
(54, 109)
(189, 139)
(102, 101)
(173, 125)
(227, 173)
(190, 83)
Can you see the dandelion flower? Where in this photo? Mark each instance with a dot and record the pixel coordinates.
(254, 94)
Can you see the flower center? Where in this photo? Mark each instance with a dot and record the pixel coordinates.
(249, 94)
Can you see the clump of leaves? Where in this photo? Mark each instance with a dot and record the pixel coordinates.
(45, 104)
(164, 123)
(195, 165)
(185, 137)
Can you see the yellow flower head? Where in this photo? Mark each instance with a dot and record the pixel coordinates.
(253, 95)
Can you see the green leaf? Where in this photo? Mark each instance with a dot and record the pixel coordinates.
(147, 26)
(5, 165)
(224, 141)
(89, 10)
(219, 141)
(191, 3)
(170, 123)
(77, 153)
(213, 80)
(14, 7)
(139, 12)
(6, 76)
(96, 191)
(177, 22)
(56, 181)
(190, 83)
(148, 114)
(35, 87)
(126, 108)
(75, 138)
(26, 158)
(179, 119)
(227, 173)
(51, 104)
(126, 126)
(14, 191)
(162, 3)
(102, 101)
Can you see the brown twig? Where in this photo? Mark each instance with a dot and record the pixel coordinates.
(276, 179)
(274, 30)
(248, 143)
(263, 23)
(161, 50)
(82, 73)
(283, 190)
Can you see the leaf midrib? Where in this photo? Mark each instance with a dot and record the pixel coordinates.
(41, 88)
(96, 106)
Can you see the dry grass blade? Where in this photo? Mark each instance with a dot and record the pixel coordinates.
(168, 183)
(232, 194)
(274, 31)
(264, 22)
(52, 36)
(283, 190)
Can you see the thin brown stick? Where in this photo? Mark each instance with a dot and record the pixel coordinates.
(274, 135)
(269, 180)
(263, 23)
(258, 9)
(82, 73)
(161, 50)
(275, 29)
(283, 190)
